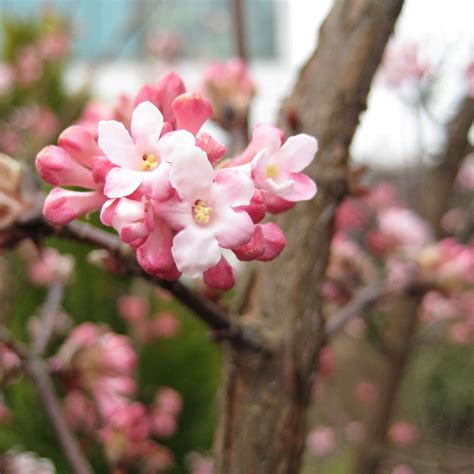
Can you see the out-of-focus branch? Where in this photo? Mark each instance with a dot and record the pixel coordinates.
(371, 453)
(362, 301)
(35, 226)
(439, 181)
(47, 318)
(37, 370)
(238, 20)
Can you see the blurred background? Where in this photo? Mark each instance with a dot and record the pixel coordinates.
(58, 57)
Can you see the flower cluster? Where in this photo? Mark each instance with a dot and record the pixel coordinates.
(164, 187)
(97, 368)
(377, 234)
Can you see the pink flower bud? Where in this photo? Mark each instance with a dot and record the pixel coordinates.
(214, 150)
(166, 325)
(50, 266)
(155, 257)
(403, 433)
(254, 248)
(56, 167)
(168, 88)
(191, 111)
(132, 307)
(168, 400)
(100, 168)
(80, 144)
(163, 424)
(257, 207)
(321, 441)
(220, 276)
(275, 241)
(62, 206)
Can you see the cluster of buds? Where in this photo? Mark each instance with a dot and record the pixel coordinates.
(98, 370)
(230, 89)
(166, 190)
(135, 309)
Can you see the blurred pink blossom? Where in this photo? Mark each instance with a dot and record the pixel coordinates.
(403, 64)
(165, 325)
(49, 267)
(321, 441)
(403, 433)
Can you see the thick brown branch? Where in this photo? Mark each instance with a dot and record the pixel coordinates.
(439, 182)
(37, 370)
(263, 418)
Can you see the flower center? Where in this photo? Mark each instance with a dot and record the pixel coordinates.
(272, 171)
(149, 162)
(202, 212)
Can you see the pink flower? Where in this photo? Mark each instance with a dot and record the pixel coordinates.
(50, 266)
(203, 211)
(168, 400)
(133, 220)
(132, 307)
(277, 170)
(165, 325)
(403, 433)
(402, 228)
(321, 441)
(142, 158)
(404, 64)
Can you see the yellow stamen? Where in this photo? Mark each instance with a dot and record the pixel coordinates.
(202, 212)
(272, 171)
(149, 162)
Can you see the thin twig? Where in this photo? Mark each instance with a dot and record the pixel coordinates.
(47, 318)
(361, 302)
(35, 226)
(37, 370)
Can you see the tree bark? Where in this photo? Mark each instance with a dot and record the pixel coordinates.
(265, 396)
(439, 182)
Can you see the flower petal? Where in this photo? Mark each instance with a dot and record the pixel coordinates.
(304, 188)
(177, 213)
(168, 142)
(191, 173)
(117, 144)
(121, 182)
(259, 166)
(234, 229)
(146, 126)
(156, 183)
(296, 153)
(233, 187)
(195, 250)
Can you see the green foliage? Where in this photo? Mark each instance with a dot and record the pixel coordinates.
(189, 362)
(447, 391)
